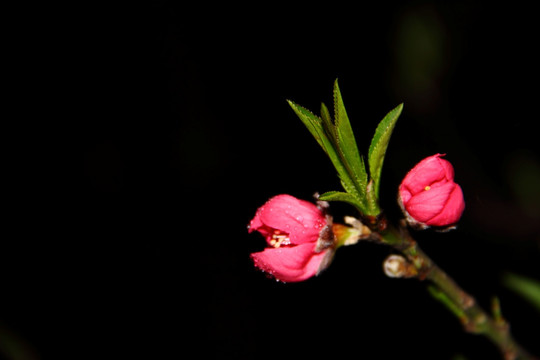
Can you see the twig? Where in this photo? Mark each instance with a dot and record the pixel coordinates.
(474, 319)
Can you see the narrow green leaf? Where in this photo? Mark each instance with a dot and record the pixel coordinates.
(379, 144)
(319, 132)
(528, 288)
(346, 143)
(341, 196)
(328, 124)
(446, 301)
(372, 199)
(310, 120)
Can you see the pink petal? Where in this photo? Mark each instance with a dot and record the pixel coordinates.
(289, 264)
(404, 194)
(451, 213)
(427, 204)
(300, 219)
(427, 172)
(256, 223)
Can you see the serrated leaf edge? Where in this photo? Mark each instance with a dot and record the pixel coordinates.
(381, 138)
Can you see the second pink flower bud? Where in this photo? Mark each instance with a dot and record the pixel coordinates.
(429, 196)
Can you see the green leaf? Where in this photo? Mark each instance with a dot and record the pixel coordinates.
(379, 144)
(346, 143)
(372, 200)
(328, 124)
(311, 121)
(526, 287)
(322, 132)
(341, 196)
(446, 301)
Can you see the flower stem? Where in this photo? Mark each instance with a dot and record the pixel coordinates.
(474, 319)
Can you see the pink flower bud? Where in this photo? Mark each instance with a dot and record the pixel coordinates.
(293, 230)
(429, 196)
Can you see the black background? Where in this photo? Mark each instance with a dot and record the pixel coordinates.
(146, 137)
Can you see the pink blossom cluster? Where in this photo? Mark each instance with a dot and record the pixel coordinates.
(294, 228)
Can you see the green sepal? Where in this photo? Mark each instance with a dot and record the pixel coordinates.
(378, 146)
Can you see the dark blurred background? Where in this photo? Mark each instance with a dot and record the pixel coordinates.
(148, 135)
